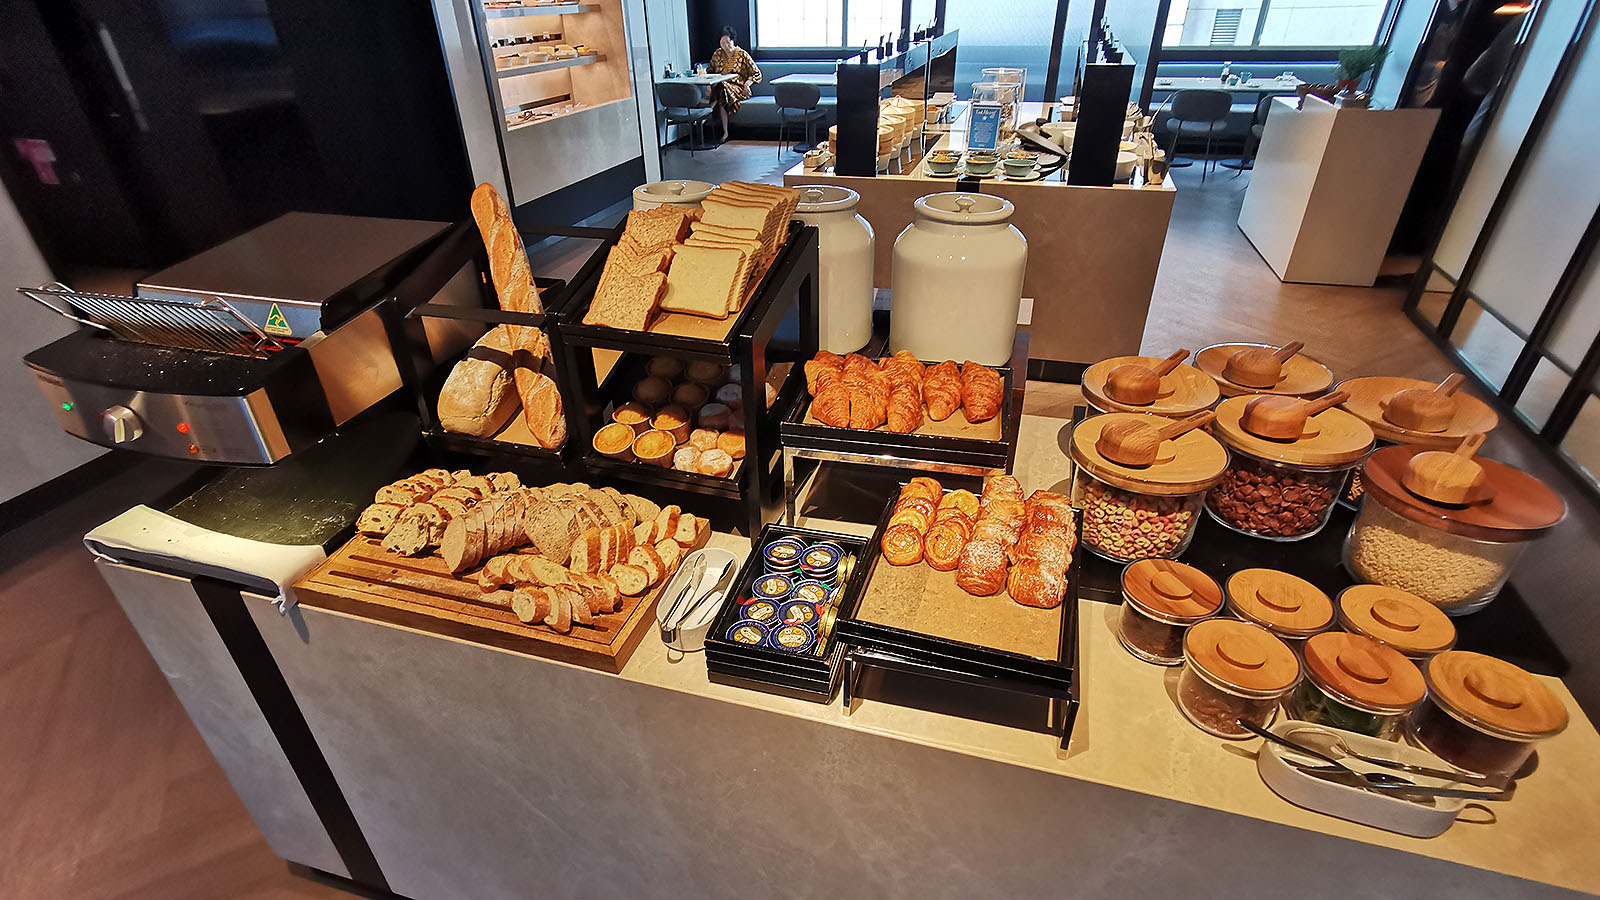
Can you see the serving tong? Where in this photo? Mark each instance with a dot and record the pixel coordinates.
(1379, 782)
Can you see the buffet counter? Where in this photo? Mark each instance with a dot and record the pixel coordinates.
(480, 772)
(1093, 251)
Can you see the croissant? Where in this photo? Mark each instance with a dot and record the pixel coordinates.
(981, 392)
(1050, 552)
(869, 402)
(1033, 585)
(832, 405)
(941, 390)
(981, 571)
(1001, 487)
(905, 409)
(856, 364)
(821, 373)
(904, 368)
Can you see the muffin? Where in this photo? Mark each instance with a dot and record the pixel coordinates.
(654, 447)
(667, 367)
(634, 415)
(652, 391)
(615, 440)
(703, 438)
(674, 420)
(706, 372)
(690, 396)
(716, 462)
(715, 416)
(732, 443)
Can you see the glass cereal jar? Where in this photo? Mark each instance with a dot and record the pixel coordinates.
(1288, 606)
(1181, 392)
(1485, 715)
(1455, 557)
(1356, 684)
(1234, 671)
(1161, 600)
(1283, 489)
(1369, 400)
(1142, 512)
(1395, 618)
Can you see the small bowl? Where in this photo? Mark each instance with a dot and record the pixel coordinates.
(1020, 168)
(1125, 163)
(981, 162)
(943, 165)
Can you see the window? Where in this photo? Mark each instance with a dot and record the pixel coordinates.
(824, 24)
(1273, 23)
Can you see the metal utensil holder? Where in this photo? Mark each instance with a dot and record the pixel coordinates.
(210, 324)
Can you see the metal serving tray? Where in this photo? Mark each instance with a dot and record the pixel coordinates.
(777, 667)
(925, 452)
(985, 668)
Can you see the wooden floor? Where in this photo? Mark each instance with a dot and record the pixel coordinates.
(106, 790)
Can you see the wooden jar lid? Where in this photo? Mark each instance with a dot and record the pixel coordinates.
(1246, 658)
(1332, 437)
(1187, 464)
(1302, 375)
(1284, 603)
(1495, 696)
(1184, 390)
(1520, 506)
(1358, 669)
(1170, 591)
(1398, 618)
(1368, 396)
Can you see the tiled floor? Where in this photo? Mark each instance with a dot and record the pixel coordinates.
(107, 791)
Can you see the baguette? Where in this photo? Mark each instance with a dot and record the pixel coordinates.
(686, 532)
(560, 615)
(671, 554)
(531, 605)
(575, 602)
(646, 558)
(541, 401)
(586, 552)
(631, 580)
(666, 525)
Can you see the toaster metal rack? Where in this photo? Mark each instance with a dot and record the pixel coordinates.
(909, 668)
(785, 301)
(459, 247)
(209, 323)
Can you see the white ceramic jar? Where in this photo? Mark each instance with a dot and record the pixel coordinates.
(957, 280)
(677, 193)
(845, 261)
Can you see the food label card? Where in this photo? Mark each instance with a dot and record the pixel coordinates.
(983, 131)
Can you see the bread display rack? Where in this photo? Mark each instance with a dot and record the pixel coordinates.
(767, 340)
(513, 443)
(1039, 692)
(987, 448)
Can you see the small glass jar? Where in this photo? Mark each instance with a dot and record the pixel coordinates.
(1485, 715)
(1234, 671)
(1142, 512)
(1396, 618)
(1290, 607)
(1457, 558)
(1161, 600)
(1356, 684)
(1283, 490)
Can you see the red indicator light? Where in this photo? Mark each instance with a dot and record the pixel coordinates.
(183, 427)
(193, 448)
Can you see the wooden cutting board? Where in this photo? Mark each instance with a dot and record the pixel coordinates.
(362, 579)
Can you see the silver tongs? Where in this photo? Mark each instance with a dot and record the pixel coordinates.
(1377, 782)
(681, 612)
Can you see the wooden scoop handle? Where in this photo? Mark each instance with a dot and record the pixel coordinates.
(1449, 385)
(1184, 426)
(1283, 353)
(1469, 445)
(1325, 402)
(1171, 362)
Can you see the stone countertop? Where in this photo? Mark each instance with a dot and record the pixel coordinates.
(1130, 735)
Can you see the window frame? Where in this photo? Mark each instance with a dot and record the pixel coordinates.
(839, 51)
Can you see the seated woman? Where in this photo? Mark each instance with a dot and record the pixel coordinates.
(731, 59)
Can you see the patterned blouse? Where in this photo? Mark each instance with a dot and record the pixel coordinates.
(733, 62)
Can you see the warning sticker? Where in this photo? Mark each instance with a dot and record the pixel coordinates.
(276, 323)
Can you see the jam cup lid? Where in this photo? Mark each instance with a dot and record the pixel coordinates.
(1494, 696)
(1398, 618)
(1283, 603)
(1241, 658)
(1363, 673)
(1170, 591)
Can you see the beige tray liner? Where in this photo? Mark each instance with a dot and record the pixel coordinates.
(955, 425)
(918, 598)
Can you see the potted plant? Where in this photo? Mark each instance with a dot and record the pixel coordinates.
(1355, 63)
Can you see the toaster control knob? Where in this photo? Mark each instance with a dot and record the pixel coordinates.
(121, 424)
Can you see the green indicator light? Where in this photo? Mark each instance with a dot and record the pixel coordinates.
(67, 407)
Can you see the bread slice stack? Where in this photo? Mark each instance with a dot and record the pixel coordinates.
(631, 284)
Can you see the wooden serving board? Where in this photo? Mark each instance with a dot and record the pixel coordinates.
(363, 579)
(920, 599)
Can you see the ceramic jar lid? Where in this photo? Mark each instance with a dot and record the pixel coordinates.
(1302, 375)
(1170, 591)
(1369, 396)
(1184, 390)
(1364, 673)
(1495, 696)
(1285, 604)
(958, 208)
(1187, 464)
(826, 198)
(1332, 437)
(1400, 619)
(1245, 658)
(674, 191)
(1520, 507)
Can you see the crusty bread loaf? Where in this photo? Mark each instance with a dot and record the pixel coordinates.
(479, 395)
(552, 528)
